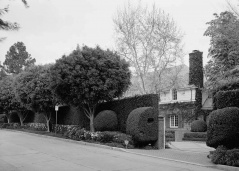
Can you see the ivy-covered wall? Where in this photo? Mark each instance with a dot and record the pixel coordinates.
(196, 78)
(184, 110)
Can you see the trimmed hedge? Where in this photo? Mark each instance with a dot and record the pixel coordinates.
(124, 106)
(106, 120)
(223, 128)
(142, 124)
(225, 157)
(228, 98)
(195, 136)
(169, 135)
(198, 126)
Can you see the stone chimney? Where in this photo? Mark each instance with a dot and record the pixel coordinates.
(196, 68)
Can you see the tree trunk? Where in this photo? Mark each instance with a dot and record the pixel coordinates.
(48, 125)
(92, 128)
(48, 118)
(21, 121)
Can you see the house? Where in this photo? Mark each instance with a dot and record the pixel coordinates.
(183, 103)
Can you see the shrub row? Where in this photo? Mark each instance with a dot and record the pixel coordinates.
(195, 136)
(225, 157)
(109, 138)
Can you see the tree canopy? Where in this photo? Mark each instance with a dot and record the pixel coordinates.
(224, 48)
(17, 59)
(8, 100)
(89, 76)
(32, 88)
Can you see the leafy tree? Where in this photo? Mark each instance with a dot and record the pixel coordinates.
(2, 72)
(150, 40)
(89, 76)
(224, 49)
(17, 59)
(33, 91)
(8, 100)
(6, 25)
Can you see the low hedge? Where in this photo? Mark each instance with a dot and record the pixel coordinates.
(223, 128)
(198, 126)
(225, 157)
(195, 136)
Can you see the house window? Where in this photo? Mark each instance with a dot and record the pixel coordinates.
(174, 121)
(174, 93)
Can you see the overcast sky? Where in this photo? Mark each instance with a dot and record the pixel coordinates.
(51, 28)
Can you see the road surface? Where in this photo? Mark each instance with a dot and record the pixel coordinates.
(25, 152)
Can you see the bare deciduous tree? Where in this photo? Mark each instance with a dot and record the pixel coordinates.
(234, 8)
(150, 40)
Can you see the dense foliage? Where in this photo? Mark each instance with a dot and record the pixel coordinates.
(17, 59)
(198, 126)
(196, 78)
(224, 99)
(106, 120)
(142, 124)
(89, 76)
(123, 107)
(225, 157)
(33, 90)
(223, 128)
(224, 41)
(8, 100)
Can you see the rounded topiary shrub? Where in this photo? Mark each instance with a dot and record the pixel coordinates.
(142, 124)
(106, 120)
(198, 126)
(223, 128)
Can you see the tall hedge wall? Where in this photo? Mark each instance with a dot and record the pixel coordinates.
(227, 91)
(125, 106)
(69, 115)
(224, 99)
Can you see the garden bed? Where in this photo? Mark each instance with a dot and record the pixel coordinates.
(109, 138)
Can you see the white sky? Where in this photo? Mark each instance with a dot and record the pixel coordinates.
(51, 28)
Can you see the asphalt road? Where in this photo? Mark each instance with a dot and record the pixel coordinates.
(26, 152)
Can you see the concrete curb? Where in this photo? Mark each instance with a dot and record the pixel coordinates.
(221, 167)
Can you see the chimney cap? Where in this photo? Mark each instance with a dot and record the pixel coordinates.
(195, 51)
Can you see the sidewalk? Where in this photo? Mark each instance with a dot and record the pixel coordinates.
(191, 152)
(192, 146)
